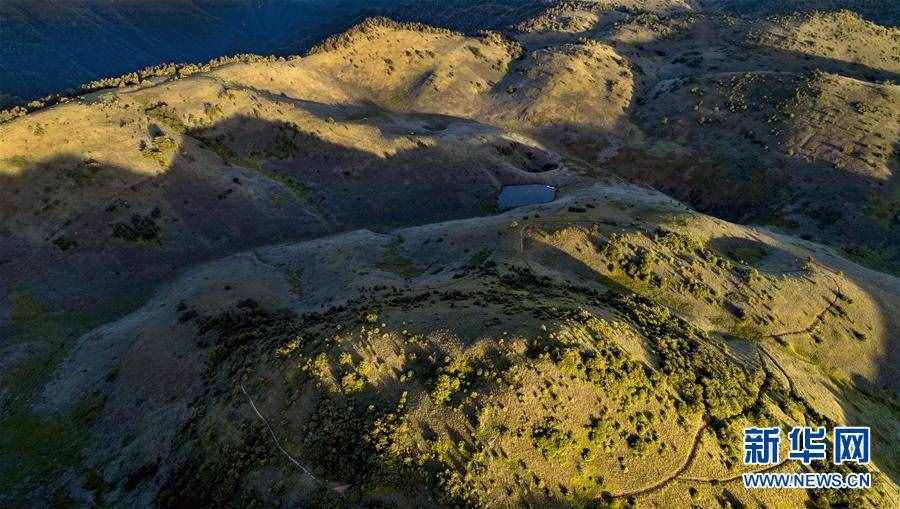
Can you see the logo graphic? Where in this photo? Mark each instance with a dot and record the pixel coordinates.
(852, 444)
(807, 444)
(761, 445)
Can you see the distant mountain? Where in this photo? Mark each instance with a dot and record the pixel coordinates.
(883, 12)
(47, 45)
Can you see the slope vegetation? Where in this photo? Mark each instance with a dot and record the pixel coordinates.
(284, 281)
(608, 347)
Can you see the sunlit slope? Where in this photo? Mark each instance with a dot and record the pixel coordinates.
(843, 36)
(608, 347)
(47, 47)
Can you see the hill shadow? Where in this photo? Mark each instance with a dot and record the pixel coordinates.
(863, 401)
(884, 12)
(740, 178)
(79, 232)
(705, 32)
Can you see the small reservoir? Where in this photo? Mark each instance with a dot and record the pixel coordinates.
(520, 196)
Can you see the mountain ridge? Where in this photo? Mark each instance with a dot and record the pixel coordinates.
(286, 281)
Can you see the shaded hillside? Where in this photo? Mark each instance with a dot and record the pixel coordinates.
(884, 12)
(47, 46)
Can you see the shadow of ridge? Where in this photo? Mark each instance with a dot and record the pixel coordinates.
(355, 188)
(884, 12)
(692, 177)
(882, 391)
(405, 123)
(731, 172)
(882, 443)
(735, 40)
(739, 39)
(238, 184)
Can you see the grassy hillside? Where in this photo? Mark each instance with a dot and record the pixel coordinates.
(606, 348)
(285, 282)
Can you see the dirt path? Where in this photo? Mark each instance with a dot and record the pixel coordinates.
(819, 318)
(275, 437)
(790, 382)
(674, 475)
(336, 487)
(735, 477)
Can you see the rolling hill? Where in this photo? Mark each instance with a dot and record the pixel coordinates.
(285, 281)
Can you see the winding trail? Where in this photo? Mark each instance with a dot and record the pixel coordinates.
(275, 437)
(764, 352)
(335, 487)
(819, 318)
(674, 475)
(735, 477)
